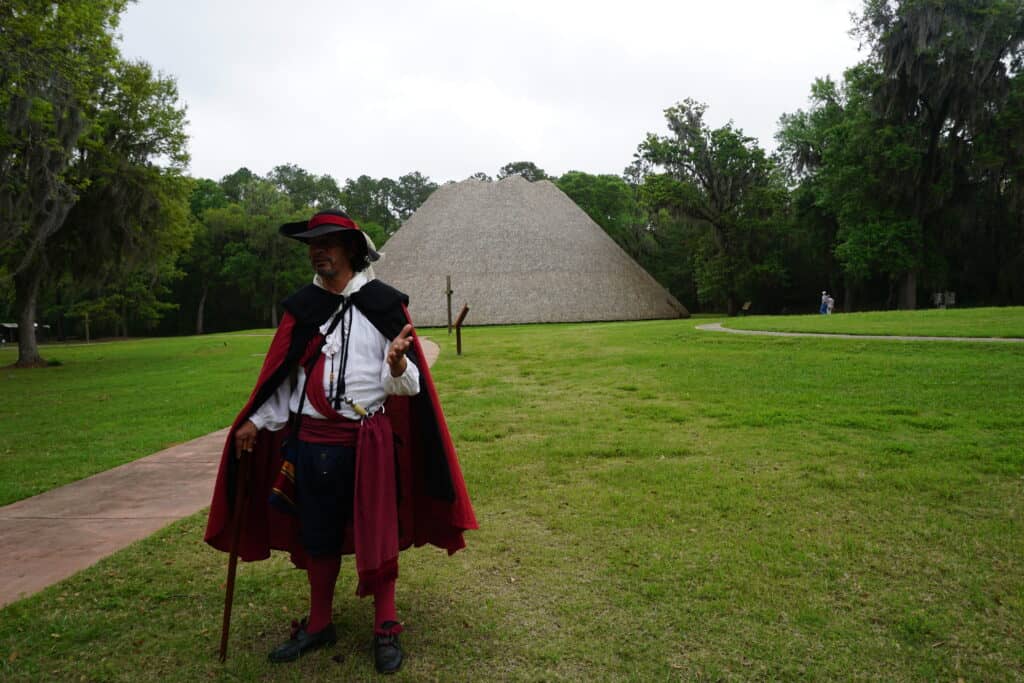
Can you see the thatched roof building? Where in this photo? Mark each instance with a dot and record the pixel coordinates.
(517, 252)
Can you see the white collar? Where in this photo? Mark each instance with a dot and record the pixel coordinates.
(354, 284)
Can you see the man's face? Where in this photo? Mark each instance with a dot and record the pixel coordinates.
(328, 255)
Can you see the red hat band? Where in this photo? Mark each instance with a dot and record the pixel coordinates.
(330, 219)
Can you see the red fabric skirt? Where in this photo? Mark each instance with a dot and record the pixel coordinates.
(373, 534)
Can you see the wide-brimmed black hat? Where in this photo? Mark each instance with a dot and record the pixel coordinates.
(324, 223)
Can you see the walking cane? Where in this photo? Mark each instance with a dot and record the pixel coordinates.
(241, 498)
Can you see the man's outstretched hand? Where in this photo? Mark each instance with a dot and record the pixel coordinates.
(396, 352)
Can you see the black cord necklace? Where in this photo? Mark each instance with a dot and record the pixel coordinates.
(338, 390)
(338, 318)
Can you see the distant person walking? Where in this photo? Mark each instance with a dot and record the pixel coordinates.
(823, 309)
(830, 303)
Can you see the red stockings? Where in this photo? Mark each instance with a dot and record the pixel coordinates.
(323, 574)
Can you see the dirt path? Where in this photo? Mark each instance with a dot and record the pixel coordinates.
(49, 537)
(717, 327)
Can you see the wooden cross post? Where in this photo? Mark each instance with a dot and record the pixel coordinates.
(448, 293)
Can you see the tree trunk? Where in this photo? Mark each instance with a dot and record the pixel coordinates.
(87, 337)
(731, 306)
(60, 317)
(26, 294)
(201, 308)
(906, 299)
(849, 294)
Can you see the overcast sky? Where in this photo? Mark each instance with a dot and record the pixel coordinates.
(451, 88)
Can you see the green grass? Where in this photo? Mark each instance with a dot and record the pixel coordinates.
(952, 322)
(110, 403)
(655, 503)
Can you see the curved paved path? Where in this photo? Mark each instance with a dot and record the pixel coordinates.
(717, 327)
(49, 537)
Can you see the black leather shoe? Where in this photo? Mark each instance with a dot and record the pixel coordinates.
(302, 642)
(387, 653)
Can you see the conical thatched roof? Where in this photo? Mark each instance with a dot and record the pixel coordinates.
(517, 252)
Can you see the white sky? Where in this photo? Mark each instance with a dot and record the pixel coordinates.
(448, 88)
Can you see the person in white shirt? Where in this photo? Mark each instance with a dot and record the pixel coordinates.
(326, 392)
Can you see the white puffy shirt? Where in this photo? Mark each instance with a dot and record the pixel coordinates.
(368, 379)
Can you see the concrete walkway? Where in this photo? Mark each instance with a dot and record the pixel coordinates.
(49, 537)
(717, 327)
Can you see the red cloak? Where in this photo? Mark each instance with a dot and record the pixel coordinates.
(433, 505)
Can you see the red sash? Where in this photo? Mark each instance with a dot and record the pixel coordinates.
(375, 503)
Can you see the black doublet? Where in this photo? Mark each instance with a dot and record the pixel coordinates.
(382, 305)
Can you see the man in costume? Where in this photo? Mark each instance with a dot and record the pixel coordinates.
(349, 449)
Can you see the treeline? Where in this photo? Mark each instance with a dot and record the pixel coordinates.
(101, 231)
(93, 199)
(907, 175)
(900, 181)
(238, 268)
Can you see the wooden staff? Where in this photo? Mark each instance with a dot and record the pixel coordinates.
(241, 498)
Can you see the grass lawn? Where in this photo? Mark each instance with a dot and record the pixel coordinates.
(113, 402)
(951, 322)
(656, 502)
